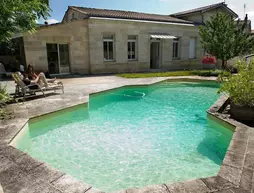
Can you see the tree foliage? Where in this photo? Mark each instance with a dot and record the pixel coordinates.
(226, 38)
(20, 15)
(4, 98)
(240, 87)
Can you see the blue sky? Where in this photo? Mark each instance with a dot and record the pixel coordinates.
(149, 6)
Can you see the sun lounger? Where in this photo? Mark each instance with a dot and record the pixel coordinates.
(50, 84)
(42, 85)
(24, 89)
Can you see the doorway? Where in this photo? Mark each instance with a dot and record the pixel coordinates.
(58, 58)
(155, 55)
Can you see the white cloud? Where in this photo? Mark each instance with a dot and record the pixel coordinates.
(51, 21)
(250, 13)
(164, 0)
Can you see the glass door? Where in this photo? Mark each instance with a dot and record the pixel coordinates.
(58, 58)
(53, 62)
(64, 58)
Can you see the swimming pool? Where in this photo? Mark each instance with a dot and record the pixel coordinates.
(133, 136)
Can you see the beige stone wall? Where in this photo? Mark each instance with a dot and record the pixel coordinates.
(72, 15)
(196, 17)
(203, 17)
(75, 34)
(207, 15)
(121, 29)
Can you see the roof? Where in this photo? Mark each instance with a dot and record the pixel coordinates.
(106, 13)
(204, 9)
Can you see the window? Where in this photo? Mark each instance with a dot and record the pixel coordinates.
(108, 47)
(132, 43)
(176, 48)
(192, 48)
(64, 54)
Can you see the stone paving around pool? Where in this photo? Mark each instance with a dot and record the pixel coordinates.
(21, 173)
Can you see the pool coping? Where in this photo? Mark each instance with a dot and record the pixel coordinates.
(236, 172)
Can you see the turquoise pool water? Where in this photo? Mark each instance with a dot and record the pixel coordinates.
(133, 137)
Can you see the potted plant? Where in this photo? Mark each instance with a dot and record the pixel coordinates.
(240, 88)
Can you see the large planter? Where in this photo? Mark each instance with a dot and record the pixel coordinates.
(242, 113)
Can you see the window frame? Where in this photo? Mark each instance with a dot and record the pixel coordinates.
(131, 48)
(107, 40)
(176, 40)
(59, 56)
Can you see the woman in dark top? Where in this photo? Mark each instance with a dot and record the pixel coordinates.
(31, 75)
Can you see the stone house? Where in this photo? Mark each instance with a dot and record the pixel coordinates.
(95, 41)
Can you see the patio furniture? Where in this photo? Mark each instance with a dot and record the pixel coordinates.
(50, 84)
(22, 88)
(42, 85)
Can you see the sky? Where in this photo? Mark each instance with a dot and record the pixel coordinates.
(147, 6)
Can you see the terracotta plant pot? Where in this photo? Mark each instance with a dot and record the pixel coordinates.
(242, 113)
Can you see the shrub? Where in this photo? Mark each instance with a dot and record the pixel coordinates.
(240, 87)
(4, 98)
(206, 72)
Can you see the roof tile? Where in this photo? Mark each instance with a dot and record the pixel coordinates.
(92, 12)
(203, 9)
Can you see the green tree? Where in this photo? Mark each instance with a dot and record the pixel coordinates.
(20, 15)
(226, 38)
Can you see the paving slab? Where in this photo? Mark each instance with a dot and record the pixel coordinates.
(216, 183)
(250, 147)
(27, 163)
(234, 159)
(94, 190)
(40, 187)
(120, 191)
(45, 173)
(246, 179)
(231, 174)
(238, 146)
(193, 186)
(249, 160)
(241, 135)
(69, 184)
(5, 163)
(11, 153)
(149, 189)
(233, 190)
(11, 175)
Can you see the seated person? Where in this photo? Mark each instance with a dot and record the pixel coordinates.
(31, 75)
(27, 81)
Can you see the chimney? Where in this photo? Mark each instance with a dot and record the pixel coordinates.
(246, 17)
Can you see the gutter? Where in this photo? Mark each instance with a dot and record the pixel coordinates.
(147, 21)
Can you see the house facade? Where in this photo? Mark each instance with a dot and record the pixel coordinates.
(97, 41)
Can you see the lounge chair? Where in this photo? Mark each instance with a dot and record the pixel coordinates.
(41, 86)
(24, 89)
(50, 84)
